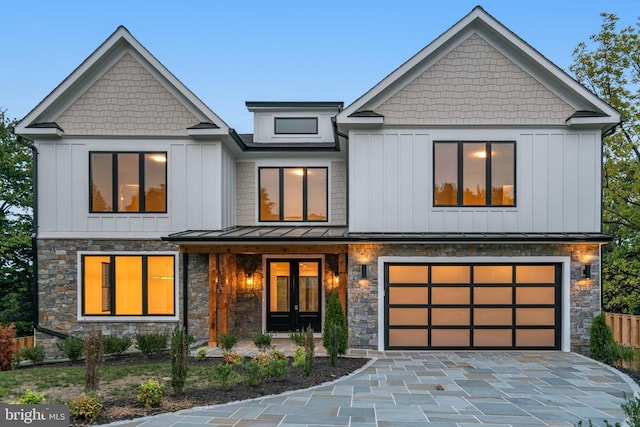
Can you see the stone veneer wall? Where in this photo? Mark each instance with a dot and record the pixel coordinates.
(363, 294)
(58, 290)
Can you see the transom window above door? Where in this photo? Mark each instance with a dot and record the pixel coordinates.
(128, 182)
(293, 194)
(474, 173)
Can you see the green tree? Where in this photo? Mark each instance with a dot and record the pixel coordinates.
(610, 67)
(16, 225)
(335, 326)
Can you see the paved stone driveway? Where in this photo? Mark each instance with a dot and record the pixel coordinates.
(439, 389)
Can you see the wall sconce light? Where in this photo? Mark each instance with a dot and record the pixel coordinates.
(586, 271)
(249, 281)
(363, 273)
(336, 280)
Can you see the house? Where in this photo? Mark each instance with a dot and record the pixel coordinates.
(455, 205)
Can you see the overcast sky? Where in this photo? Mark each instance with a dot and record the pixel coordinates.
(229, 52)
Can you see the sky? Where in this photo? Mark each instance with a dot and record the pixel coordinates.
(230, 52)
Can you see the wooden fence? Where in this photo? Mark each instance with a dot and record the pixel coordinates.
(24, 342)
(625, 328)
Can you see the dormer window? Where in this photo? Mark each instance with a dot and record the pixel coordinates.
(296, 125)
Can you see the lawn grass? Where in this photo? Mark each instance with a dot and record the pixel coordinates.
(115, 381)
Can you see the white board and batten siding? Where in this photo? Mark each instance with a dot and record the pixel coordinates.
(558, 180)
(199, 181)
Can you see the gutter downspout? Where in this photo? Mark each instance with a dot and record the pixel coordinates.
(34, 239)
(185, 300)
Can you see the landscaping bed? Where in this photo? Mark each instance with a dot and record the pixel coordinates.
(121, 377)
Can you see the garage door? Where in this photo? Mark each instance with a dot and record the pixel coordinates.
(472, 306)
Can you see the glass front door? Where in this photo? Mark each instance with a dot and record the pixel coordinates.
(293, 294)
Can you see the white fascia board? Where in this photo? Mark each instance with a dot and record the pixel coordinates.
(32, 133)
(206, 133)
(592, 121)
(361, 120)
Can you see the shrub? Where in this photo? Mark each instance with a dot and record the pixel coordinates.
(85, 408)
(179, 359)
(227, 341)
(277, 368)
(222, 374)
(297, 337)
(253, 373)
(262, 359)
(232, 358)
(72, 347)
(602, 345)
(94, 358)
(7, 346)
(278, 354)
(309, 350)
(35, 354)
(151, 344)
(116, 346)
(261, 340)
(335, 316)
(299, 356)
(332, 338)
(150, 393)
(201, 355)
(30, 397)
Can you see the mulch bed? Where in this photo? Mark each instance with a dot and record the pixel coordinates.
(295, 379)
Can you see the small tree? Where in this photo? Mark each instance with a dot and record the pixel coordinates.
(179, 359)
(7, 346)
(309, 350)
(94, 357)
(335, 316)
(602, 344)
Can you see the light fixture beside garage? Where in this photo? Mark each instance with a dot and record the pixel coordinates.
(586, 271)
(363, 273)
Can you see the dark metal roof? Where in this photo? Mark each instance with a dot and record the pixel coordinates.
(280, 104)
(365, 113)
(45, 125)
(262, 234)
(333, 234)
(251, 145)
(584, 113)
(205, 125)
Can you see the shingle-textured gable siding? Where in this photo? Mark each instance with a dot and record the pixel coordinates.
(126, 100)
(474, 84)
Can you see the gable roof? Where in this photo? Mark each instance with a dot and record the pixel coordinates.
(119, 44)
(478, 21)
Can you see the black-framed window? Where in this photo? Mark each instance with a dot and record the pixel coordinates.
(293, 194)
(128, 182)
(128, 285)
(474, 173)
(296, 125)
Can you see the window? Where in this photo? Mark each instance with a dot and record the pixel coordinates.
(296, 125)
(128, 285)
(116, 180)
(463, 171)
(293, 194)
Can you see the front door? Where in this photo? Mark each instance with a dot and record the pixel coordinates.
(293, 294)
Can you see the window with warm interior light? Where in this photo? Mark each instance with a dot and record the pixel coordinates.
(474, 173)
(293, 194)
(128, 182)
(128, 285)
